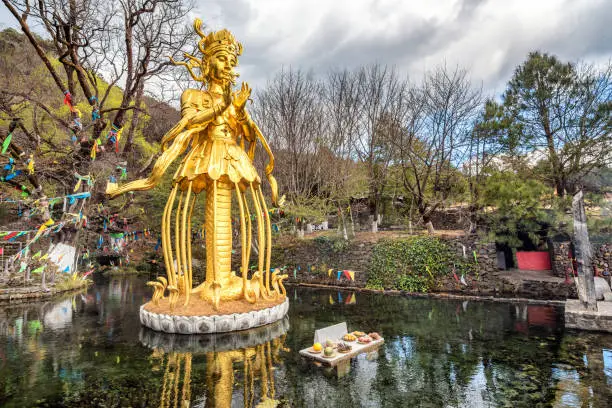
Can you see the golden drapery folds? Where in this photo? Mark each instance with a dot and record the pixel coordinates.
(217, 128)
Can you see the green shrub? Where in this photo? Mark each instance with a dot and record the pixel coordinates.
(413, 264)
(333, 244)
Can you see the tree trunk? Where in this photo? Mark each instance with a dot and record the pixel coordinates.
(129, 141)
(344, 232)
(585, 281)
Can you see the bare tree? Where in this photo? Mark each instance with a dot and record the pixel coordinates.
(439, 117)
(290, 112)
(382, 95)
(343, 107)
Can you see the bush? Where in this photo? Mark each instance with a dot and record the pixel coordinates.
(333, 244)
(413, 264)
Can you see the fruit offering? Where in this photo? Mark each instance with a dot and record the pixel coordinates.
(349, 337)
(358, 334)
(374, 336)
(329, 343)
(344, 348)
(317, 347)
(328, 352)
(364, 340)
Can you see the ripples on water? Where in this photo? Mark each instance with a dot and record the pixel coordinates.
(89, 350)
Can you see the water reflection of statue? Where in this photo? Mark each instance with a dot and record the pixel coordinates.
(250, 355)
(217, 127)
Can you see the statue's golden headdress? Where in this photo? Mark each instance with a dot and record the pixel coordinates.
(213, 42)
(208, 45)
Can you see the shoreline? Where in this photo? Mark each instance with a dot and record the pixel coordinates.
(435, 295)
(33, 294)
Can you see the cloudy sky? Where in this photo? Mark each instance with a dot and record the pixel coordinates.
(488, 37)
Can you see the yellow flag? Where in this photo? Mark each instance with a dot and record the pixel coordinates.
(331, 301)
(43, 227)
(329, 272)
(352, 275)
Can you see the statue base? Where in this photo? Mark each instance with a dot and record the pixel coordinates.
(200, 318)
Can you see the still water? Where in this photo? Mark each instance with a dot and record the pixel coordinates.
(89, 350)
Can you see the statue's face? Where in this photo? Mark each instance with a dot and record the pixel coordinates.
(222, 65)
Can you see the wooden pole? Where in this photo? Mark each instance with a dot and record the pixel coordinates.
(585, 281)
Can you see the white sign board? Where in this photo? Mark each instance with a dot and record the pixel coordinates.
(334, 333)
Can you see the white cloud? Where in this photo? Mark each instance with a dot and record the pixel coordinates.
(489, 37)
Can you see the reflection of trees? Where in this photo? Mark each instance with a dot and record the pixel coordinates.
(437, 353)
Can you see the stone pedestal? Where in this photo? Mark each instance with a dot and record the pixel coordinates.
(577, 317)
(213, 323)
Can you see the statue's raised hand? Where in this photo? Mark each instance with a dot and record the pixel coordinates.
(240, 98)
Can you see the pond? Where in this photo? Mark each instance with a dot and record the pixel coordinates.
(90, 350)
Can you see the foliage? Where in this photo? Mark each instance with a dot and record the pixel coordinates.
(563, 111)
(332, 244)
(412, 264)
(516, 208)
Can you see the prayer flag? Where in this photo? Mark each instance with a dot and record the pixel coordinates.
(39, 269)
(6, 143)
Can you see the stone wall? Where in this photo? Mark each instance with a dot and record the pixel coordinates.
(562, 264)
(602, 258)
(560, 260)
(309, 261)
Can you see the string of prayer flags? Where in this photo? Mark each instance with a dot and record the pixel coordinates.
(11, 235)
(350, 275)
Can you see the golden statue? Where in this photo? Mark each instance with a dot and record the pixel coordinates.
(216, 126)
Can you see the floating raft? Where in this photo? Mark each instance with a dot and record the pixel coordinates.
(338, 357)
